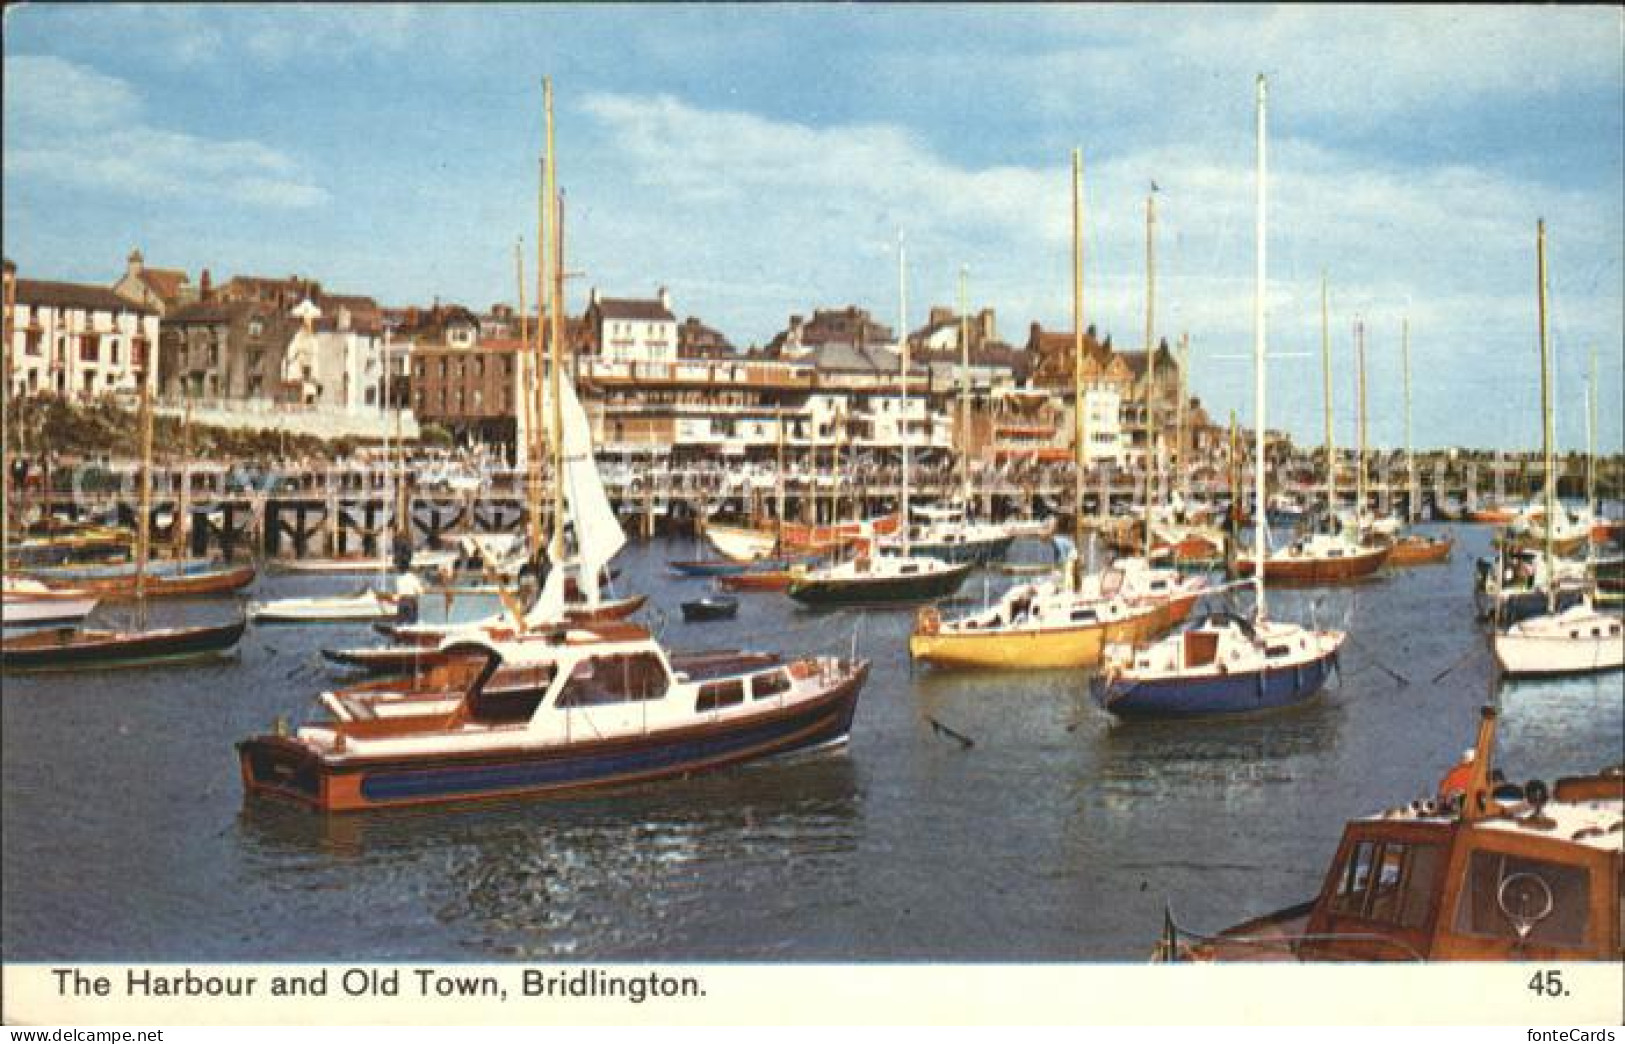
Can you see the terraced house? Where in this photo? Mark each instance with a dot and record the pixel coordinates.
(76, 340)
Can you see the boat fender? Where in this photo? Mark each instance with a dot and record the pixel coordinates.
(928, 622)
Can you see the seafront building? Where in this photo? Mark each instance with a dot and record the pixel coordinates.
(259, 350)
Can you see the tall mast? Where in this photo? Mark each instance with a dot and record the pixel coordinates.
(143, 523)
(1258, 367)
(1326, 397)
(964, 393)
(179, 522)
(1410, 459)
(1546, 413)
(539, 435)
(1591, 443)
(1081, 435)
(902, 333)
(555, 304)
(778, 491)
(1359, 392)
(1152, 459)
(1180, 448)
(523, 427)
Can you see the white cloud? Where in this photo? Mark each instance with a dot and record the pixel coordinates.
(81, 128)
(811, 212)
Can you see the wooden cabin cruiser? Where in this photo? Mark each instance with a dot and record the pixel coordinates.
(1054, 623)
(1320, 558)
(1222, 665)
(881, 579)
(1576, 640)
(612, 713)
(1502, 873)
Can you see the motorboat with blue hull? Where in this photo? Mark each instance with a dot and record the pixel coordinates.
(614, 711)
(1222, 666)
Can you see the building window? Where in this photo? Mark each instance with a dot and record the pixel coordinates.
(256, 326)
(88, 351)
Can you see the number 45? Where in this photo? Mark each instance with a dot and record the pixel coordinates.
(1548, 983)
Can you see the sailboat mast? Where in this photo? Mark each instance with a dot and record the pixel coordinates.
(1359, 392)
(1081, 435)
(964, 394)
(1258, 366)
(1411, 491)
(522, 427)
(778, 491)
(1151, 457)
(902, 333)
(1546, 414)
(1180, 449)
(143, 522)
(1326, 397)
(539, 435)
(1591, 443)
(183, 495)
(555, 303)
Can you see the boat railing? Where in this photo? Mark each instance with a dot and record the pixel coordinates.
(1178, 943)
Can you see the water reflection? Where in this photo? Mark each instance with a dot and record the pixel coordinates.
(616, 873)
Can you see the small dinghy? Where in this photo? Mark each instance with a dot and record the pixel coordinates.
(711, 607)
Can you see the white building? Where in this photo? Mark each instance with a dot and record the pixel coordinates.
(335, 366)
(77, 341)
(631, 330)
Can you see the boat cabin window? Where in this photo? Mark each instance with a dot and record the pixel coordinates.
(510, 698)
(614, 679)
(1392, 882)
(1083, 616)
(908, 570)
(1506, 893)
(716, 695)
(765, 685)
(1275, 652)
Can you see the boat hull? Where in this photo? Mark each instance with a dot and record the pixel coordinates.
(705, 610)
(41, 612)
(1414, 550)
(1350, 567)
(74, 650)
(1215, 694)
(1039, 649)
(175, 585)
(879, 590)
(1535, 656)
(281, 767)
(766, 580)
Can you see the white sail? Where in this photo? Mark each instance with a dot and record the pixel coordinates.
(598, 532)
(549, 605)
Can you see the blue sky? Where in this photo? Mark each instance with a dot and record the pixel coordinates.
(759, 161)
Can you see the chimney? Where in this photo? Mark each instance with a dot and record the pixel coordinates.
(205, 288)
(665, 299)
(990, 328)
(134, 264)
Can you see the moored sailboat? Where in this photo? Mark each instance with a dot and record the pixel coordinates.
(1226, 664)
(1577, 639)
(880, 577)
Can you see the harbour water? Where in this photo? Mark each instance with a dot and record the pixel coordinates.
(1058, 835)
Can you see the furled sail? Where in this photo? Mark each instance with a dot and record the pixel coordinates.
(597, 531)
